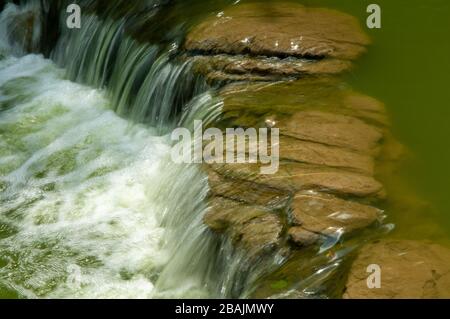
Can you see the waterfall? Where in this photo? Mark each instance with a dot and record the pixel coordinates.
(91, 204)
(147, 83)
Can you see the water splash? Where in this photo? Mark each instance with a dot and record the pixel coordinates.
(91, 205)
(82, 188)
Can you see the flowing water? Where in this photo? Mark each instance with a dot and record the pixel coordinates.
(91, 205)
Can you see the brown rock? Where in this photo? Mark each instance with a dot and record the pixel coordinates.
(409, 269)
(292, 149)
(332, 129)
(294, 177)
(224, 213)
(250, 227)
(263, 42)
(223, 68)
(246, 191)
(320, 154)
(343, 131)
(262, 233)
(303, 237)
(324, 214)
(250, 105)
(284, 29)
(367, 108)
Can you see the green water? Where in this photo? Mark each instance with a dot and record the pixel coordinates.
(408, 69)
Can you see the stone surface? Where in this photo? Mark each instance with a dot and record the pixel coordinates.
(296, 150)
(251, 227)
(294, 177)
(409, 269)
(249, 105)
(332, 129)
(315, 214)
(266, 42)
(226, 68)
(246, 191)
(330, 135)
(319, 154)
(224, 213)
(281, 29)
(303, 237)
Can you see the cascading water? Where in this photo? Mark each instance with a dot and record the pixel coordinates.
(144, 82)
(85, 195)
(91, 204)
(74, 179)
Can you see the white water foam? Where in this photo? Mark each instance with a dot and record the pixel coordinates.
(79, 190)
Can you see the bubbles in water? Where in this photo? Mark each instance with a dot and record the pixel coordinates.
(79, 190)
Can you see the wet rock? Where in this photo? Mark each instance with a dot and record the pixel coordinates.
(409, 269)
(294, 177)
(330, 136)
(315, 214)
(296, 150)
(224, 213)
(262, 233)
(332, 129)
(249, 105)
(251, 227)
(265, 42)
(319, 154)
(306, 275)
(367, 108)
(246, 191)
(229, 68)
(303, 237)
(284, 29)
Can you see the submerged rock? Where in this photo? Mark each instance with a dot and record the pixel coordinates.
(277, 41)
(409, 269)
(251, 104)
(293, 149)
(295, 177)
(329, 139)
(251, 227)
(246, 191)
(325, 187)
(332, 129)
(330, 135)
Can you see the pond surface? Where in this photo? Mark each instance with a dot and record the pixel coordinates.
(408, 69)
